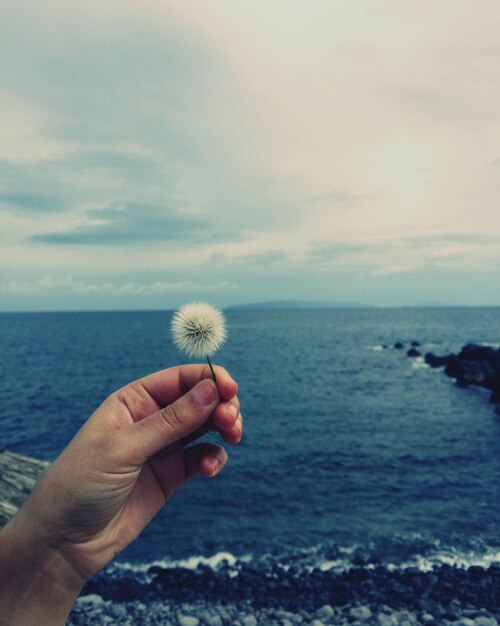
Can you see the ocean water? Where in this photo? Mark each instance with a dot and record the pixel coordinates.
(352, 453)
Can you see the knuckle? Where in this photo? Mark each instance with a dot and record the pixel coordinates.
(173, 416)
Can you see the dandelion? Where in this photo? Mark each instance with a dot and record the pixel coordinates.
(199, 330)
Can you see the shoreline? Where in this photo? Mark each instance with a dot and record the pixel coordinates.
(446, 595)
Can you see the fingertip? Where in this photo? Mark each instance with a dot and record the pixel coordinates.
(225, 416)
(228, 388)
(232, 436)
(210, 466)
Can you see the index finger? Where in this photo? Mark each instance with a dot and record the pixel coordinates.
(166, 386)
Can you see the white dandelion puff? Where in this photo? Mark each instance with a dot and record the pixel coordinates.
(199, 330)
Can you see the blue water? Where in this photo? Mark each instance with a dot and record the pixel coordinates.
(347, 446)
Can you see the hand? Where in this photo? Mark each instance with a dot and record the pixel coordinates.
(124, 464)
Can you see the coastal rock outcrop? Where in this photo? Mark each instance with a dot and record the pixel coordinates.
(474, 365)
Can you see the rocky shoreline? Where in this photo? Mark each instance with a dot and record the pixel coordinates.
(446, 595)
(474, 366)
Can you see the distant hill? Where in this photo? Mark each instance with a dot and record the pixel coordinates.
(297, 304)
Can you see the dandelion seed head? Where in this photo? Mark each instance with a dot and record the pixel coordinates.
(198, 329)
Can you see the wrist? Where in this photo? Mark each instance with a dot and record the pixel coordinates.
(37, 584)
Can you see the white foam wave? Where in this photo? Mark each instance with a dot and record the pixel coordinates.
(214, 562)
(419, 363)
(312, 559)
(424, 563)
(454, 558)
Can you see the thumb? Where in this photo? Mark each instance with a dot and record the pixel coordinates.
(175, 421)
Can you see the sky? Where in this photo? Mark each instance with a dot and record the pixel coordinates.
(154, 152)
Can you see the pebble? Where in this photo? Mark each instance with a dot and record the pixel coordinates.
(118, 610)
(188, 620)
(405, 617)
(386, 620)
(211, 620)
(91, 598)
(326, 612)
(92, 610)
(362, 613)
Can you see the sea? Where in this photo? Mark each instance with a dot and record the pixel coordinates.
(354, 454)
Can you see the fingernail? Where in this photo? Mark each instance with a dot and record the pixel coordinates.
(215, 464)
(205, 393)
(233, 410)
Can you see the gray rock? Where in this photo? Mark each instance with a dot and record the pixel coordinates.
(463, 621)
(405, 616)
(249, 620)
(361, 613)
(118, 610)
(316, 622)
(384, 619)
(485, 621)
(91, 598)
(325, 613)
(210, 619)
(188, 620)
(426, 617)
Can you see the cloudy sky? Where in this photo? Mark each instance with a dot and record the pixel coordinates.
(155, 151)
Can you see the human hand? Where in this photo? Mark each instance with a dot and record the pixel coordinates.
(125, 463)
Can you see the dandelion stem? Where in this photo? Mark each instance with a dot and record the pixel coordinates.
(211, 369)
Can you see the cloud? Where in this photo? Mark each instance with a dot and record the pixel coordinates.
(129, 223)
(69, 284)
(341, 198)
(400, 254)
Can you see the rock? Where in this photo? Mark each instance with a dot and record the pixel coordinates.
(118, 610)
(495, 389)
(386, 620)
(413, 352)
(479, 373)
(211, 620)
(249, 620)
(405, 617)
(316, 622)
(326, 612)
(473, 352)
(463, 621)
(485, 621)
(91, 598)
(415, 344)
(398, 345)
(436, 361)
(426, 617)
(188, 620)
(361, 613)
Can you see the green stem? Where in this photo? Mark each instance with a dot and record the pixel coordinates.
(211, 369)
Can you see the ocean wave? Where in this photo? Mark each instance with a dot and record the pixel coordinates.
(422, 554)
